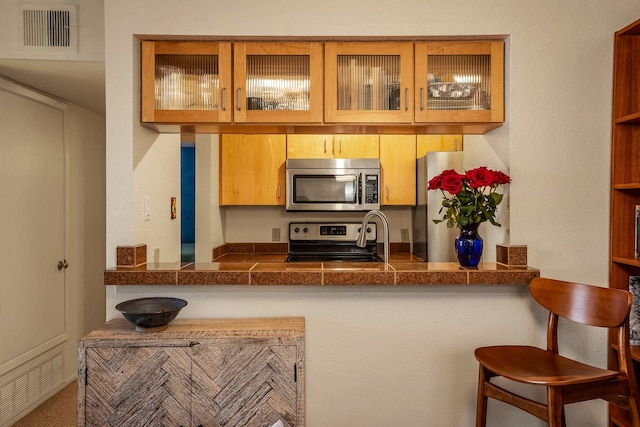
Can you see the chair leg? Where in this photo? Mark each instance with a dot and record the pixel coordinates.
(555, 408)
(634, 409)
(481, 408)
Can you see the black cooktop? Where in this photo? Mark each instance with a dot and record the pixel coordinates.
(366, 255)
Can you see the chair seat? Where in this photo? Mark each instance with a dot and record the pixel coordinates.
(533, 365)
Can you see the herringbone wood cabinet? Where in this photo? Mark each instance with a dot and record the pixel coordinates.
(235, 372)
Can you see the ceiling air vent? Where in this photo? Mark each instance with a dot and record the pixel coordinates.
(47, 28)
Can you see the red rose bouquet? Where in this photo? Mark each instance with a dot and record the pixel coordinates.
(472, 198)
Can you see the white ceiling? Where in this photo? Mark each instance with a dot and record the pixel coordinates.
(78, 82)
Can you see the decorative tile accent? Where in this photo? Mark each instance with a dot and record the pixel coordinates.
(355, 277)
(493, 274)
(239, 248)
(213, 278)
(515, 255)
(250, 249)
(271, 248)
(131, 256)
(399, 247)
(219, 251)
(140, 277)
(431, 278)
(286, 278)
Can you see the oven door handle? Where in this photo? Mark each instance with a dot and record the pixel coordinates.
(359, 190)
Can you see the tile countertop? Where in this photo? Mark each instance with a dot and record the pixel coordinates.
(259, 268)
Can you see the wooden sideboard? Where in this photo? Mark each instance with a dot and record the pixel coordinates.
(198, 372)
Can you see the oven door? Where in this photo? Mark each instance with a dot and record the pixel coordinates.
(309, 190)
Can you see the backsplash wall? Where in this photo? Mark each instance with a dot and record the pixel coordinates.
(254, 223)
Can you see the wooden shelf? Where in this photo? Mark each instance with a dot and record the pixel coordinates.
(627, 186)
(629, 119)
(635, 262)
(625, 180)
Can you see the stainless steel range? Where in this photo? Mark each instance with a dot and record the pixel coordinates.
(331, 241)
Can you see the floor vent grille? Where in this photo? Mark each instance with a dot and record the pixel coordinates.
(48, 27)
(30, 387)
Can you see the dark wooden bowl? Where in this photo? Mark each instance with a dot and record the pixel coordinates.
(151, 314)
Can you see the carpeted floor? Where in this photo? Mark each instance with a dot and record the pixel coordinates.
(58, 411)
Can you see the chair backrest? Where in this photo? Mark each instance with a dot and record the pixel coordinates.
(586, 304)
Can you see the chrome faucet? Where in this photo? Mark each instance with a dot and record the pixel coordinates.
(362, 237)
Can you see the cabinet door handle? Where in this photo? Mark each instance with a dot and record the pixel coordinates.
(421, 98)
(224, 100)
(386, 188)
(278, 192)
(63, 264)
(340, 148)
(406, 99)
(325, 146)
(238, 100)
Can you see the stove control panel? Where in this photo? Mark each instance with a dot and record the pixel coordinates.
(329, 231)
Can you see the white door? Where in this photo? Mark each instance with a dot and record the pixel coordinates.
(32, 215)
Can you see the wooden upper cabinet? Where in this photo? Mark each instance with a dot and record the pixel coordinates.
(252, 169)
(368, 82)
(419, 87)
(302, 146)
(278, 82)
(459, 82)
(356, 146)
(398, 164)
(429, 143)
(186, 82)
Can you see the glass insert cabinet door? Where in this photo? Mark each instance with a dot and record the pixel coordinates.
(186, 82)
(459, 81)
(369, 81)
(278, 82)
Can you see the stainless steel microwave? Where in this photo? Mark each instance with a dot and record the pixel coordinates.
(332, 184)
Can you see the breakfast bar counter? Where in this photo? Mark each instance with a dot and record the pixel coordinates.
(271, 269)
(265, 264)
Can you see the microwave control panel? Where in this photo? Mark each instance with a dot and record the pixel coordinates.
(371, 189)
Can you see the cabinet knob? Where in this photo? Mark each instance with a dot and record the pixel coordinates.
(63, 264)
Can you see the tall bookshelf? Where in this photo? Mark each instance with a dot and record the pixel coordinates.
(625, 176)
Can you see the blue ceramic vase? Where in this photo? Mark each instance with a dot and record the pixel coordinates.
(468, 245)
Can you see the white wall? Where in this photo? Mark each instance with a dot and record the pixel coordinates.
(157, 176)
(85, 139)
(404, 356)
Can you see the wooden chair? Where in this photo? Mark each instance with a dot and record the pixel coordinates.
(566, 380)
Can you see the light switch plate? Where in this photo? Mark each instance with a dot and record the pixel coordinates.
(404, 235)
(275, 234)
(147, 208)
